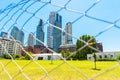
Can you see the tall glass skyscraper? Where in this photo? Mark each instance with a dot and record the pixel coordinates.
(68, 37)
(40, 33)
(31, 40)
(21, 36)
(14, 32)
(53, 34)
(17, 34)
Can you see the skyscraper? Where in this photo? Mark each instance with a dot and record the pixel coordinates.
(20, 36)
(14, 32)
(63, 38)
(40, 33)
(54, 34)
(68, 37)
(31, 40)
(17, 34)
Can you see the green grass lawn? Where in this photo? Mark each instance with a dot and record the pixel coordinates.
(59, 70)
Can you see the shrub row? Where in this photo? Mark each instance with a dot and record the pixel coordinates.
(17, 56)
(106, 59)
(7, 56)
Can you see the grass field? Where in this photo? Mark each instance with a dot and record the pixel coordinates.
(75, 70)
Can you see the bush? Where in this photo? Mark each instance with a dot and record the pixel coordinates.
(27, 57)
(17, 56)
(106, 59)
(21, 58)
(13, 56)
(118, 57)
(7, 56)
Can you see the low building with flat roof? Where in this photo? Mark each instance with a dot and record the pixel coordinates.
(103, 55)
(47, 56)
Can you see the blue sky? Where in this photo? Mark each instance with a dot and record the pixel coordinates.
(104, 10)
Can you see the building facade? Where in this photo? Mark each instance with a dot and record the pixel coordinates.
(104, 55)
(40, 34)
(68, 34)
(40, 49)
(47, 56)
(20, 36)
(17, 34)
(31, 40)
(100, 47)
(9, 46)
(54, 35)
(14, 32)
(63, 38)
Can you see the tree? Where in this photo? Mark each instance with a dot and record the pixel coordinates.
(66, 54)
(63, 53)
(82, 54)
(28, 55)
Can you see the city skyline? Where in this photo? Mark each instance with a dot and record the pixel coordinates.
(54, 35)
(99, 18)
(54, 19)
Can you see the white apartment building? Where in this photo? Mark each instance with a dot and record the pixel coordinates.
(9, 46)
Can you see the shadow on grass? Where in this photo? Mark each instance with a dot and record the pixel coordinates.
(96, 69)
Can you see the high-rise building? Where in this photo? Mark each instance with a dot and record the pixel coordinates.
(63, 38)
(17, 34)
(68, 34)
(14, 32)
(31, 40)
(40, 33)
(54, 34)
(3, 34)
(21, 36)
(67, 43)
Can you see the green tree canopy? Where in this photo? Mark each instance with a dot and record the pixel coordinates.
(82, 54)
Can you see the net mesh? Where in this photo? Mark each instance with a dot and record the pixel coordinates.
(25, 15)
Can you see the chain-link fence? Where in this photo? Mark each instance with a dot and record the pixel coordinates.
(92, 17)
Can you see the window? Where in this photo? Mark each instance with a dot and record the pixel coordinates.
(89, 58)
(40, 58)
(100, 56)
(111, 56)
(105, 56)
